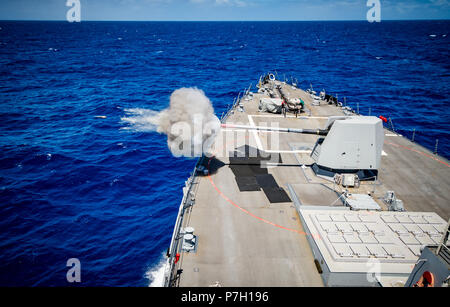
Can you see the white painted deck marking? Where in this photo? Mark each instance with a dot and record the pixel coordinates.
(244, 130)
(290, 151)
(259, 143)
(290, 116)
(255, 134)
(232, 130)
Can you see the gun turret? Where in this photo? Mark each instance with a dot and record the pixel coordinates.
(347, 145)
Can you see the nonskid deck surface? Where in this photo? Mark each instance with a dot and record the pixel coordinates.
(247, 236)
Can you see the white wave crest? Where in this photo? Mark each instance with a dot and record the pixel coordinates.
(155, 274)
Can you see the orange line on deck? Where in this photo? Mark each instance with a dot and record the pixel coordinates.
(419, 152)
(251, 214)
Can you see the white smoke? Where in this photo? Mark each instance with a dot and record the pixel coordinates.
(141, 119)
(189, 122)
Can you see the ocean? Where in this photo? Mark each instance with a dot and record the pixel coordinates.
(75, 184)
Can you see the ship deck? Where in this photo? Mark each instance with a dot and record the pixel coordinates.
(245, 239)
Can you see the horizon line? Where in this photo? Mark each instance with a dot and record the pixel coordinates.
(226, 20)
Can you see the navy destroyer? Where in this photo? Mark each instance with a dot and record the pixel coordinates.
(303, 191)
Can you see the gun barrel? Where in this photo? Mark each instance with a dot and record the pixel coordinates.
(288, 130)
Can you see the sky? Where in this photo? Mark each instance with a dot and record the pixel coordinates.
(205, 10)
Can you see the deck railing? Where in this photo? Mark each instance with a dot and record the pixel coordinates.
(175, 245)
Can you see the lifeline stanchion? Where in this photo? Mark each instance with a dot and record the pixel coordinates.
(436, 147)
(392, 124)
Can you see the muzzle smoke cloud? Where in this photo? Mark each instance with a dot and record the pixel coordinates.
(189, 122)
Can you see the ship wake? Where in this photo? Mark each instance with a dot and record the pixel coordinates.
(155, 274)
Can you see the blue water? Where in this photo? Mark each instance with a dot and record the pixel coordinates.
(76, 186)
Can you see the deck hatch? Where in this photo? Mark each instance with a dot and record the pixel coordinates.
(409, 240)
(277, 195)
(352, 238)
(360, 228)
(247, 184)
(368, 238)
(343, 250)
(250, 176)
(360, 250)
